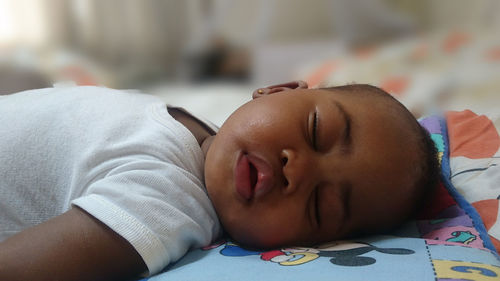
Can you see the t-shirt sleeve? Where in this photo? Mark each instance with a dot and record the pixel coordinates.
(159, 208)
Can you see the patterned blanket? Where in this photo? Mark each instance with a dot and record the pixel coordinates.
(475, 164)
(447, 241)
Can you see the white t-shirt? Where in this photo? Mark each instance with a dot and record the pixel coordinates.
(119, 156)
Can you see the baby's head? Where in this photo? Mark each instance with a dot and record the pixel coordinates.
(298, 166)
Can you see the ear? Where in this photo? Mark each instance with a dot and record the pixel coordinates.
(299, 84)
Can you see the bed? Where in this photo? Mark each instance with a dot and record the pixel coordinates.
(451, 239)
(457, 235)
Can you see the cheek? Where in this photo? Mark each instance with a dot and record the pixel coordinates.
(265, 227)
(218, 173)
(257, 123)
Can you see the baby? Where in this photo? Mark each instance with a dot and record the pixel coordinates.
(306, 166)
(295, 166)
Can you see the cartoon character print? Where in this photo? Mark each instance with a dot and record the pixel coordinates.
(459, 270)
(457, 235)
(347, 253)
(342, 253)
(451, 227)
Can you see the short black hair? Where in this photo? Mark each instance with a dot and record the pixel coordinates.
(428, 171)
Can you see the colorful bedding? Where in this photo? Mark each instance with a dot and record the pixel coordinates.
(475, 164)
(447, 241)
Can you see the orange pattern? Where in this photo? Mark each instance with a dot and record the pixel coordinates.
(488, 210)
(395, 85)
(455, 41)
(471, 135)
(493, 54)
(321, 73)
(496, 244)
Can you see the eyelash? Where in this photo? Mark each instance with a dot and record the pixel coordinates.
(314, 130)
(315, 146)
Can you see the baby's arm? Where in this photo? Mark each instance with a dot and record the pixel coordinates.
(72, 246)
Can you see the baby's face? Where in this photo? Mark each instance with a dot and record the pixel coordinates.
(303, 166)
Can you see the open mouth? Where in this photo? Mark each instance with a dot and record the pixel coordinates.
(253, 176)
(245, 177)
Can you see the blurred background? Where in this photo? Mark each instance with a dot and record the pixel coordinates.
(209, 55)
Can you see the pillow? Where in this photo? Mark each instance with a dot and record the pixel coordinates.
(475, 164)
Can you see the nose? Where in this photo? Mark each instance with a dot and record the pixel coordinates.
(298, 170)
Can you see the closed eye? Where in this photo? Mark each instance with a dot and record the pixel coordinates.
(347, 132)
(316, 207)
(314, 130)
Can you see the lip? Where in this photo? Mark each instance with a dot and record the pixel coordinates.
(253, 176)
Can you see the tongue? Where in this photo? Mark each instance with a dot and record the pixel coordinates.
(253, 176)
